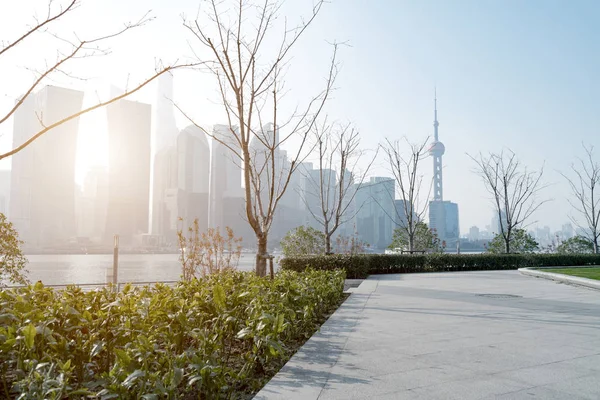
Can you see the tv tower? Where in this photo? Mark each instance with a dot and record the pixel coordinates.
(437, 209)
(436, 151)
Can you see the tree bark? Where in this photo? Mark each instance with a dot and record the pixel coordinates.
(327, 244)
(261, 261)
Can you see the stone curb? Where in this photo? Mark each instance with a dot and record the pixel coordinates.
(574, 280)
(305, 375)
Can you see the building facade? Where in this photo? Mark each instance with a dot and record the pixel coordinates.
(129, 135)
(193, 176)
(42, 198)
(375, 205)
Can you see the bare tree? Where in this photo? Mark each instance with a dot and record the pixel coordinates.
(68, 50)
(329, 195)
(586, 200)
(251, 86)
(514, 191)
(405, 168)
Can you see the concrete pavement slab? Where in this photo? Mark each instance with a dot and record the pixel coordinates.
(471, 335)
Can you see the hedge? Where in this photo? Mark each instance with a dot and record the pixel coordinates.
(363, 265)
(222, 336)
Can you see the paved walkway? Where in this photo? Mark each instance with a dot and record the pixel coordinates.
(475, 335)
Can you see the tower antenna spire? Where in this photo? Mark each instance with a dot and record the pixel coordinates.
(435, 121)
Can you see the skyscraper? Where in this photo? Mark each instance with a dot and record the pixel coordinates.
(4, 191)
(375, 204)
(164, 195)
(193, 176)
(128, 169)
(43, 174)
(226, 197)
(94, 200)
(164, 156)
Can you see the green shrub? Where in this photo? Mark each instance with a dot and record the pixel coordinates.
(363, 265)
(219, 337)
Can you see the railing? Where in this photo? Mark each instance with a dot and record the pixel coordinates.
(93, 286)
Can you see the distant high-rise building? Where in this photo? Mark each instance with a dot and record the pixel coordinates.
(164, 169)
(193, 176)
(495, 224)
(165, 130)
(452, 233)
(312, 195)
(164, 204)
(42, 203)
(376, 208)
(567, 231)
(129, 130)
(226, 197)
(4, 191)
(402, 210)
(473, 233)
(91, 219)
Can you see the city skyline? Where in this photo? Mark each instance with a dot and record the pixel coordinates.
(499, 88)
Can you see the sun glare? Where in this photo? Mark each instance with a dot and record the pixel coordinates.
(92, 141)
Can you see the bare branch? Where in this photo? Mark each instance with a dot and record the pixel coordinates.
(409, 180)
(514, 190)
(585, 198)
(251, 91)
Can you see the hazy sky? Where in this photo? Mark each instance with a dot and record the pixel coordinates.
(516, 74)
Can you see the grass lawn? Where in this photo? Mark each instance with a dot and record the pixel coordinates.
(590, 273)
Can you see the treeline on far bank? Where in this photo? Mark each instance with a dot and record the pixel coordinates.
(362, 265)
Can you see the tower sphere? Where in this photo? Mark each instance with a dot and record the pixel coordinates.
(437, 149)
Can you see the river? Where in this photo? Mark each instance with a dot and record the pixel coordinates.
(91, 268)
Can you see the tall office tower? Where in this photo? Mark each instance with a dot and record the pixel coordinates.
(263, 159)
(474, 234)
(164, 195)
(164, 156)
(452, 233)
(4, 191)
(288, 210)
(128, 169)
(226, 197)
(43, 174)
(495, 225)
(402, 210)
(193, 176)
(94, 200)
(375, 204)
(437, 218)
(348, 226)
(312, 195)
(165, 129)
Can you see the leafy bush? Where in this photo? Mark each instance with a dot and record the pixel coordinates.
(520, 242)
(303, 240)
(576, 245)
(425, 239)
(219, 337)
(363, 265)
(12, 260)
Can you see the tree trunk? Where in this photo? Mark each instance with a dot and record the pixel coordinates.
(327, 244)
(261, 261)
(507, 245)
(596, 245)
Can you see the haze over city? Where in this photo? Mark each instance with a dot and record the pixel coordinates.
(519, 75)
(299, 199)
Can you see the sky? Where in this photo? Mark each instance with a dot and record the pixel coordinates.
(511, 74)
